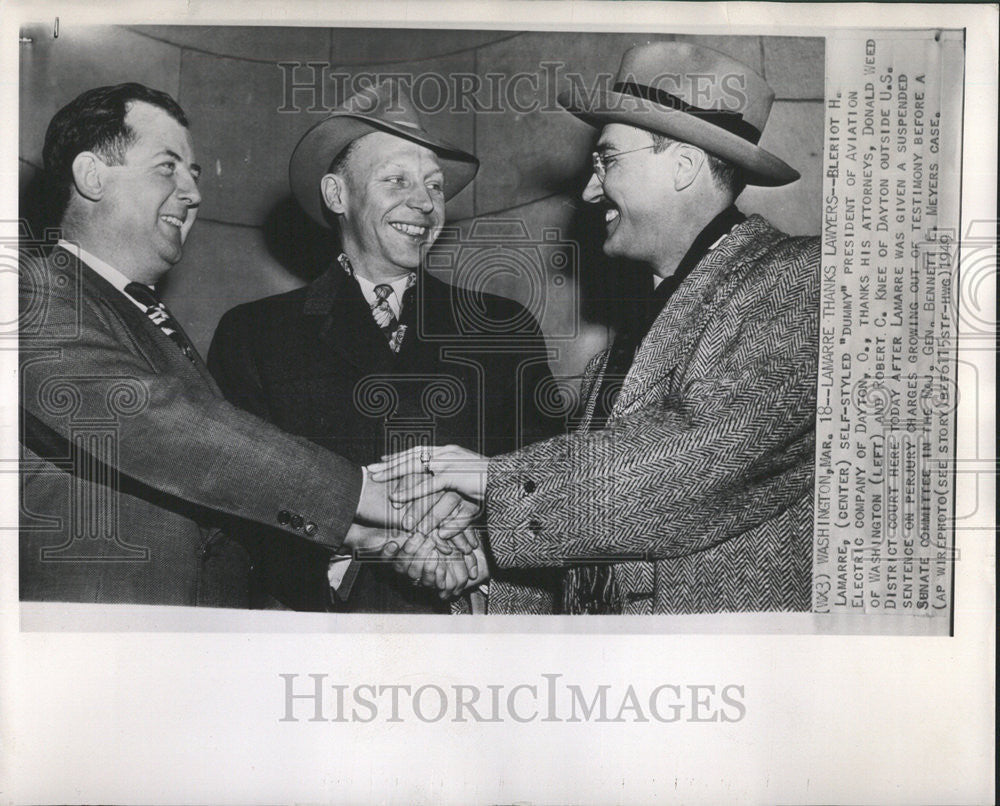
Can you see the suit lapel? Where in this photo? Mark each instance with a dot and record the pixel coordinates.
(156, 346)
(198, 363)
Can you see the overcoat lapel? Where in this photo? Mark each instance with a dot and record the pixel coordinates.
(426, 339)
(663, 355)
(345, 322)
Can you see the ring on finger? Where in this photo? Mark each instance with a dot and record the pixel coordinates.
(425, 460)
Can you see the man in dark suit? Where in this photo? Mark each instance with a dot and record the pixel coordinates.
(134, 468)
(377, 354)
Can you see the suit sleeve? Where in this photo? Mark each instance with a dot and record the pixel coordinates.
(80, 363)
(734, 449)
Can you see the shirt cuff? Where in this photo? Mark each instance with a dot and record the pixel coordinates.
(364, 482)
(341, 574)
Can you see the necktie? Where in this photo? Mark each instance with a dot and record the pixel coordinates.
(385, 318)
(381, 309)
(160, 316)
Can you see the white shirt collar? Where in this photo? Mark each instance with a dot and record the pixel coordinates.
(106, 270)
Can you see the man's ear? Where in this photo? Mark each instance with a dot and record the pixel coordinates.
(88, 175)
(334, 196)
(689, 161)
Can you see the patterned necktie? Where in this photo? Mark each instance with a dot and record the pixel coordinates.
(160, 316)
(383, 315)
(381, 309)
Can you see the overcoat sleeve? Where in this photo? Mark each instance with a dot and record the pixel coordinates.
(731, 448)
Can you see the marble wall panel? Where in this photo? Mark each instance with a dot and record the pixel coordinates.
(253, 43)
(746, 49)
(367, 46)
(530, 147)
(795, 67)
(54, 71)
(223, 266)
(244, 142)
(795, 133)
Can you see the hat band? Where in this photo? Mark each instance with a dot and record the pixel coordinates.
(731, 122)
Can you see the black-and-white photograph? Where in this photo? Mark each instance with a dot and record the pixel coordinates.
(565, 402)
(426, 321)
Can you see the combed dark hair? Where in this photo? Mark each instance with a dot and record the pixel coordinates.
(94, 121)
(726, 176)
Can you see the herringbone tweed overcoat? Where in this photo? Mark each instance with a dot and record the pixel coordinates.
(700, 488)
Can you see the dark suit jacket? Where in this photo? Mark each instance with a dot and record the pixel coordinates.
(133, 466)
(313, 362)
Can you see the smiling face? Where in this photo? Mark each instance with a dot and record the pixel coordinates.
(638, 194)
(149, 203)
(389, 199)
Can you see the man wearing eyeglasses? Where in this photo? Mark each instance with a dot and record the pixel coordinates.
(688, 485)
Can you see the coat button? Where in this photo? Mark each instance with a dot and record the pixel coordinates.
(297, 521)
(529, 486)
(534, 526)
(309, 528)
(284, 517)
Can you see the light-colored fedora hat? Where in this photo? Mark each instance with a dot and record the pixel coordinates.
(694, 94)
(385, 107)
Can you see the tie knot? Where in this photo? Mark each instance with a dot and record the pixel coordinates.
(142, 293)
(382, 292)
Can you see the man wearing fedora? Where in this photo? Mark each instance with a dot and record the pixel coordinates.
(688, 485)
(377, 353)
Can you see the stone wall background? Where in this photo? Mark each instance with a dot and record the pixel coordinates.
(250, 239)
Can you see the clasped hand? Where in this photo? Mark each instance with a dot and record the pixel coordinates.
(420, 471)
(419, 522)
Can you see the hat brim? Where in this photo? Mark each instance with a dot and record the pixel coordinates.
(759, 167)
(316, 150)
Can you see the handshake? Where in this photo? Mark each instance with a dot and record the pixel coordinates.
(419, 511)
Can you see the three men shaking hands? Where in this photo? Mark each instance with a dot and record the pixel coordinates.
(685, 487)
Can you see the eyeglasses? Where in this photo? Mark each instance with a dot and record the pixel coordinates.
(602, 161)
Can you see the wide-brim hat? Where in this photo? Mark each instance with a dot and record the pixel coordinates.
(689, 93)
(385, 107)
